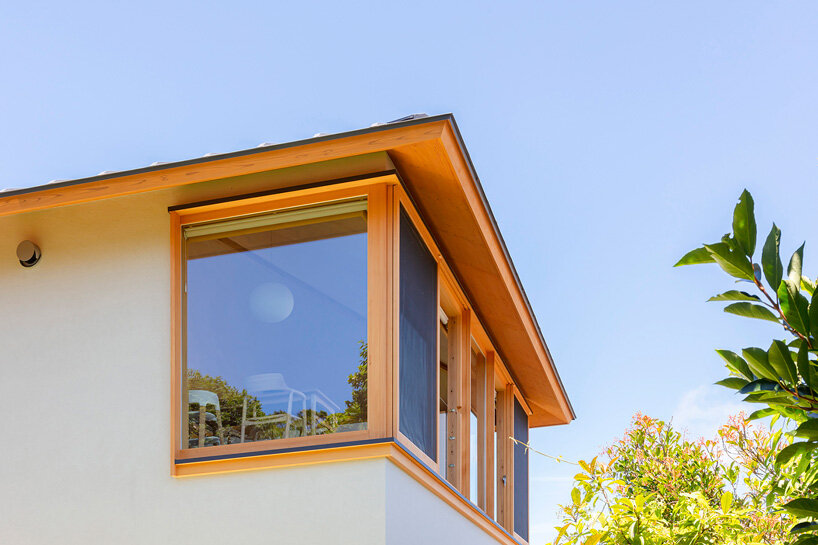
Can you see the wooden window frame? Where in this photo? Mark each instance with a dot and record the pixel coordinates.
(377, 191)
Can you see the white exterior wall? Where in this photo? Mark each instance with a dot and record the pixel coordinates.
(85, 404)
(415, 515)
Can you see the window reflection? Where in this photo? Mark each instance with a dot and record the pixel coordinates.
(276, 326)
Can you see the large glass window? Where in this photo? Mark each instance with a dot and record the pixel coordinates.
(276, 326)
(418, 340)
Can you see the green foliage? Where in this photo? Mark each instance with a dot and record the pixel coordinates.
(656, 487)
(783, 377)
(356, 408)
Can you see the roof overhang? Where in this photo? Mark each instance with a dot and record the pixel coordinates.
(433, 163)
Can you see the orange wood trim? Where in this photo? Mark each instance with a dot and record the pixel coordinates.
(462, 354)
(285, 459)
(175, 334)
(434, 484)
(223, 168)
(379, 295)
(282, 201)
(488, 468)
(411, 447)
(453, 437)
(394, 237)
(379, 292)
(469, 186)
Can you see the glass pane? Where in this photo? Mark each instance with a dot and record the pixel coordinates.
(476, 449)
(418, 340)
(520, 471)
(443, 410)
(276, 323)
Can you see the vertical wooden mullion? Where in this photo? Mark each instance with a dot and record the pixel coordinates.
(488, 430)
(452, 437)
(394, 332)
(380, 305)
(176, 331)
(463, 380)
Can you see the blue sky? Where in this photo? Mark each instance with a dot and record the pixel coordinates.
(610, 139)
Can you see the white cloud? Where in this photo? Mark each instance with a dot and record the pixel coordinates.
(704, 409)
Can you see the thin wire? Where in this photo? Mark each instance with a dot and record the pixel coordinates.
(558, 459)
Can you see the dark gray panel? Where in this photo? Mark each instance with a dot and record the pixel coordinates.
(418, 339)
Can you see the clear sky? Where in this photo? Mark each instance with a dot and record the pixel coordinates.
(610, 137)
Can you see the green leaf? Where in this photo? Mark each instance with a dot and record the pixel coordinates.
(761, 413)
(812, 312)
(796, 449)
(794, 306)
(805, 368)
(750, 310)
(593, 540)
(744, 224)
(808, 285)
(695, 257)
(726, 501)
(808, 430)
(736, 363)
(771, 258)
(781, 361)
(735, 295)
(759, 363)
(734, 383)
(794, 270)
(804, 527)
(733, 263)
(760, 385)
(802, 507)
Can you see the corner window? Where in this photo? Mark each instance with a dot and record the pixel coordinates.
(275, 326)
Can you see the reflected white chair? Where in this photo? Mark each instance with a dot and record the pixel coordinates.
(271, 388)
(318, 398)
(203, 398)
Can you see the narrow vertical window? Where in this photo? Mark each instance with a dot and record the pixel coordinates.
(477, 439)
(520, 471)
(275, 313)
(444, 415)
(417, 340)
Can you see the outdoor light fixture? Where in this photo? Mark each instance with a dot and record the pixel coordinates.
(28, 253)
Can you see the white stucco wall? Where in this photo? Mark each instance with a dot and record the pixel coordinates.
(415, 515)
(85, 404)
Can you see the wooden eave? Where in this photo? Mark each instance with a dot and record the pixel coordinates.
(435, 167)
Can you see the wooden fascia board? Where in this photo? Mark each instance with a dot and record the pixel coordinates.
(237, 165)
(470, 186)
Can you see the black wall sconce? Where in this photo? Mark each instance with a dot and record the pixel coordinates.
(28, 253)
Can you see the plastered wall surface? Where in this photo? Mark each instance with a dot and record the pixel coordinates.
(408, 502)
(85, 405)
